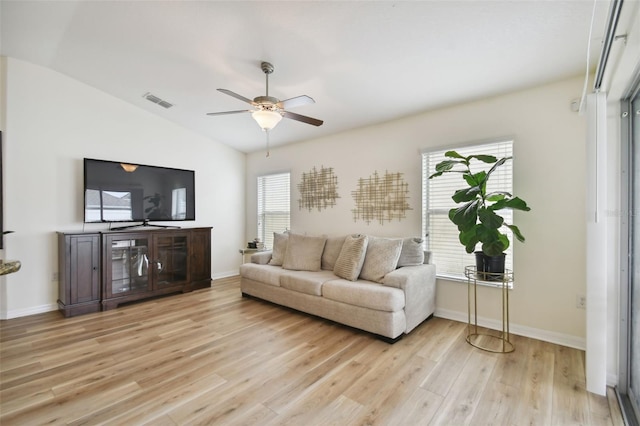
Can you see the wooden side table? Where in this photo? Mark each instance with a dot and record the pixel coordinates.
(483, 340)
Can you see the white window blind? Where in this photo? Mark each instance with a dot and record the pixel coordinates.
(448, 254)
(273, 206)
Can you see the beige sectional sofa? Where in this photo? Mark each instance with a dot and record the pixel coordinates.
(381, 285)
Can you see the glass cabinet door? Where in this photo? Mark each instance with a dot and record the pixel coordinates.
(171, 260)
(130, 265)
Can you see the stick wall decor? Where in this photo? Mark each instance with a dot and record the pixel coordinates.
(318, 189)
(381, 198)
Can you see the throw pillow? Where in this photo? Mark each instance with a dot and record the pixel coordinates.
(279, 248)
(349, 262)
(331, 252)
(304, 253)
(412, 252)
(381, 258)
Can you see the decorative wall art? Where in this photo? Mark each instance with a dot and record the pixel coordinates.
(381, 198)
(318, 189)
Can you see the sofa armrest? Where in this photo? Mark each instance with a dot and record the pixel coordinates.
(419, 286)
(261, 257)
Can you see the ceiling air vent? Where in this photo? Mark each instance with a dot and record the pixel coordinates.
(156, 100)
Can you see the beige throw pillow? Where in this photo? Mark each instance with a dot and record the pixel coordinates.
(304, 253)
(381, 258)
(279, 248)
(331, 252)
(351, 258)
(412, 252)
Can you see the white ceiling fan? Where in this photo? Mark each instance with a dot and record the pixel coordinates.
(269, 110)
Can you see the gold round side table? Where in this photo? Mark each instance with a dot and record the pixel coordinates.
(488, 342)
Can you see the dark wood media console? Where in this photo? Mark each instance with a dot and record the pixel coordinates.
(100, 270)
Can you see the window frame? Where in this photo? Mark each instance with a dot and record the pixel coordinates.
(264, 230)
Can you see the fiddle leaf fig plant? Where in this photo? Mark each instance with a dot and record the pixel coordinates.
(477, 218)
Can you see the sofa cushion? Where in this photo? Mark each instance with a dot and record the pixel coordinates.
(412, 252)
(267, 274)
(306, 282)
(349, 262)
(331, 252)
(262, 257)
(381, 258)
(365, 294)
(279, 248)
(304, 253)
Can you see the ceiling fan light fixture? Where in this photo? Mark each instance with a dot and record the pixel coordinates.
(129, 168)
(266, 119)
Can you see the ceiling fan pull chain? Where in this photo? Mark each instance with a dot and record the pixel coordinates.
(267, 132)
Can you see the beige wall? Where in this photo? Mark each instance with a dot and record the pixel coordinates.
(549, 162)
(52, 123)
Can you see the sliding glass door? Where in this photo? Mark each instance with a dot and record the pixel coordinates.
(629, 383)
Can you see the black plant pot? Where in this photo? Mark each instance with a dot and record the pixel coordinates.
(490, 268)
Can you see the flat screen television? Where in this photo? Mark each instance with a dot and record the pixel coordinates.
(125, 192)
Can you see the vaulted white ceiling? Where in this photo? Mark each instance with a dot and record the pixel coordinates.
(363, 62)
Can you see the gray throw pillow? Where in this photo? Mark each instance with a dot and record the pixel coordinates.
(412, 252)
(381, 258)
(304, 253)
(279, 248)
(349, 262)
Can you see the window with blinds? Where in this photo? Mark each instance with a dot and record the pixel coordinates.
(446, 250)
(273, 206)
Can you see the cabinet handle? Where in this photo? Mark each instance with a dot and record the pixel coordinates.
(143, 264)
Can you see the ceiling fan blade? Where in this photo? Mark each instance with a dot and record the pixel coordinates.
(302, 118)
(228, 112)
(295, 102)
(235, 95)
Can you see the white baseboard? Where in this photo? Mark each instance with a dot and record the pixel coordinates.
(16, 313)
(226, 274)
(521, 330)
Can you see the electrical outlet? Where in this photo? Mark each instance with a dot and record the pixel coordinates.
(54, 276)
(581, 301)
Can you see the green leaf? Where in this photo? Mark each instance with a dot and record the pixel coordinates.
(477, 179)
(495, 246)
(454, 154)
(518, 204)
(499, 205)
(465, 216)
(466, 194)
(499, 163)
(485, 158)
(489, 219)
(516, 232)
(496, 196)
(514, 203)
(447, 165)
(469, 239)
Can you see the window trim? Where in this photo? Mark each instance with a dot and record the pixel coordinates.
(262, 233)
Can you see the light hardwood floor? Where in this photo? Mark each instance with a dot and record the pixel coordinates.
(212, 357)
